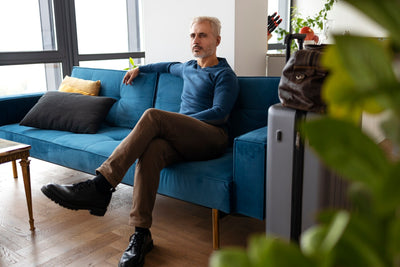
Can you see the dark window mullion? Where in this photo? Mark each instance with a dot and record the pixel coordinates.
(64, 12)
(59, 14)
(72, 33)
(17, 58)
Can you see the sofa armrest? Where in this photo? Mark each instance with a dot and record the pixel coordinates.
(13, 108)
(249, 168)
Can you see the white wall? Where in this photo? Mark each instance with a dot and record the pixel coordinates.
(250, 37)
(243, 44)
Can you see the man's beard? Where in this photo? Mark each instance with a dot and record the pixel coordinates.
(201, 53)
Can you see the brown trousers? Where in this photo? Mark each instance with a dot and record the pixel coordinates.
(160, 138)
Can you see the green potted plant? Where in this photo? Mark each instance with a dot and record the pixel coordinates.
(315, 22)
(364, 77)
(132, 64)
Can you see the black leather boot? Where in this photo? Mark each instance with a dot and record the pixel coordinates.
(80, 196)
(139, 245)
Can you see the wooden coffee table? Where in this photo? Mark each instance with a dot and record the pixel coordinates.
(12, 151)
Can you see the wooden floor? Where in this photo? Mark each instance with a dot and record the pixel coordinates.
(181, 231)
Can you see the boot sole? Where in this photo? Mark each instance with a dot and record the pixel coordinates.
(93, 210)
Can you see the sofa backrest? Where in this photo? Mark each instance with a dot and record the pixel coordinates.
(169, 90)
(132, 100)
(163, 91)
(256, 95)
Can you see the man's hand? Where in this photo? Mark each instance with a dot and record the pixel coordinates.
(130, 76)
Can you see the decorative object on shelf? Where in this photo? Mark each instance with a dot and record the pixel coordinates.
(273, 22)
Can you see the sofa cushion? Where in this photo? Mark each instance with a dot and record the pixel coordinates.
(256, 95)
(208, 182)
(80, 86)
(68, 112)
(169, 92)
(132, 100)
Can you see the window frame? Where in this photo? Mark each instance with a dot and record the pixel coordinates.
(62, 39)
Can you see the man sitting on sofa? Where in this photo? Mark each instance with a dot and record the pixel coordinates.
(160, 138)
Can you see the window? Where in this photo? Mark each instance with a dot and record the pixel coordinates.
(108, 32)
(102, 29)
(118, 64)
(20, 26)
(28, 78)
(42, 40)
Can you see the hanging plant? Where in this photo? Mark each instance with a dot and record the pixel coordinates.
(315, 22)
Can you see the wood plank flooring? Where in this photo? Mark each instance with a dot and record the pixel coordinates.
(181, 231)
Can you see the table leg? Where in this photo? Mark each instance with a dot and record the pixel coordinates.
(27, 183)
(14, 167)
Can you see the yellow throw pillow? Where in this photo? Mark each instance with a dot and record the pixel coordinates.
(76, 85)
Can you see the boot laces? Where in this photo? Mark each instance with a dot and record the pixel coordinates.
(82, 186)
(136, 241)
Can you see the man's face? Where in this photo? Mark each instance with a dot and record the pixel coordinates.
(203, 40)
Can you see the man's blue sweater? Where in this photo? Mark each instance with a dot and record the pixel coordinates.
(208, 93)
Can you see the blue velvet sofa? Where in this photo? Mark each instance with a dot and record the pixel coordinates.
(233, 183)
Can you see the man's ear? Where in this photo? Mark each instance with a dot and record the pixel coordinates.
(218, 40)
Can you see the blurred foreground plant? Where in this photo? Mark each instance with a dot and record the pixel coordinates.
(364, 77)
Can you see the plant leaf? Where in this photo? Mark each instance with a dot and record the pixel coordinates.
(229, 257)
(346, 149)
(131, 61)
(354, 251)
(319, 242)
(361, 77)
(361, 242)
(264, 252)
(338, 89)
(393, 245)
(387, 196)
(363, 224)
(311, 240)
(335, 230)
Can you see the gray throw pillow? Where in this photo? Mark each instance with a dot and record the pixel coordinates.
(68, 112)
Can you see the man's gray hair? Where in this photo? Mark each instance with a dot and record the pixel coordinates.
(215, 23)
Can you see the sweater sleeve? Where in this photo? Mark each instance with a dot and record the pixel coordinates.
(163, 67)
(225, 95)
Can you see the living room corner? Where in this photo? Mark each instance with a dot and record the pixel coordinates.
(65, 107)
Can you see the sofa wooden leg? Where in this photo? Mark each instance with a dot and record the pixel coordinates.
(215, 228)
